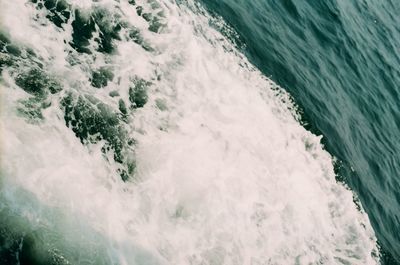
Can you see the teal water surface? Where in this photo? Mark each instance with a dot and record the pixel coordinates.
(132, 132)
(340, 60)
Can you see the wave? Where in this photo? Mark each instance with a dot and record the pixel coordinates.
(135, 132)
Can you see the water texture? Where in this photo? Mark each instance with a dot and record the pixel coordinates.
(144, 132)
(340, 60)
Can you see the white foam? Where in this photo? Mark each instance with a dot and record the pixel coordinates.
(231, 179)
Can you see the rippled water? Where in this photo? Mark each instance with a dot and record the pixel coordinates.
(340, 60)
(139, 132)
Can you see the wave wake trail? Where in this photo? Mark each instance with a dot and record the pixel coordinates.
(133, 132)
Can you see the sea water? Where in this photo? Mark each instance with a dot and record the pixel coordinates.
(140, 132)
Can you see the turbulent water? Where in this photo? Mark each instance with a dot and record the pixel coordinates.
(138, 132)
(340, 60)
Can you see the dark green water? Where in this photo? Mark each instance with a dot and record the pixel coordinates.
(340, 60)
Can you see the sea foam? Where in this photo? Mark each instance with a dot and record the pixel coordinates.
(222, 171)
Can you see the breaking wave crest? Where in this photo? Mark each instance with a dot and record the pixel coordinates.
(135, 132)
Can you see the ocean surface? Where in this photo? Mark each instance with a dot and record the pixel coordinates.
(340, 60)
(199, 132)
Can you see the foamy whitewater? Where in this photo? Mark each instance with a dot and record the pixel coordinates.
(213, 168)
